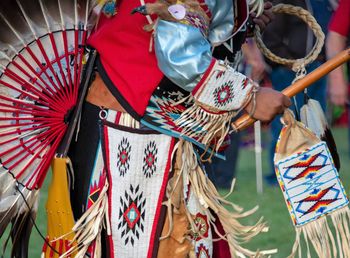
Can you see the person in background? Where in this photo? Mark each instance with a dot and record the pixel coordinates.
(337, 40)
(288, 36)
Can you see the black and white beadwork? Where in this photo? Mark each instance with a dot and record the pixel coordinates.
(123, 161)
(138, 177)
(150, 159)
(132, 215)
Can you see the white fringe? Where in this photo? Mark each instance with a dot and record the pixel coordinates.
(319, 234)
(235, 233)
(88, 228)
(205, 126)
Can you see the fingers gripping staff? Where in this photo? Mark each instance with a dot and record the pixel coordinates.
(219, 96)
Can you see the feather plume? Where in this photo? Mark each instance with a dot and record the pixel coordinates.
(22, 226)
(6, 183)
(312, 115)
(9, 211)
(14, 204)
(8, 201)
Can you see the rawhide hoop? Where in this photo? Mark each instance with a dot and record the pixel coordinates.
(307, 17)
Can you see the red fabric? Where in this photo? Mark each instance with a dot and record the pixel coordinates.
(220, 248)
(123, 46)
(340, 21)
(242, 17)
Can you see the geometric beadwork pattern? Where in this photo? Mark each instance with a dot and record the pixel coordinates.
(201, 232)
(132, 214)
(202, 227)
(245, 83)
(97, 182)
(164, 108)
(123, 161)
(136, 187)
(98, 178)
(150, 159)
(223, 88)
(198, 21)
(310, 184)
(202, 252)
(224, 94)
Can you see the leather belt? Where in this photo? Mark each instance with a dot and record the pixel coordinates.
(99, 95)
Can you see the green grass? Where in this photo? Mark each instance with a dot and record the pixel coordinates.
(271, 203)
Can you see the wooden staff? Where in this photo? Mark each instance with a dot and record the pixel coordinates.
(245, 121)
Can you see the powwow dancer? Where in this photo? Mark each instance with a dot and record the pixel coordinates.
(156, 74)
(160, 102)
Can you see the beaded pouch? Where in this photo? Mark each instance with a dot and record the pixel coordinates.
(312, 190)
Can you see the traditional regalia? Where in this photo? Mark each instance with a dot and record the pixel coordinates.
(158, 94)
(153, 101)
(159, 103)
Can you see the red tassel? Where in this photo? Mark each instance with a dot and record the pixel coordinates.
(52, 253)
(45, 244)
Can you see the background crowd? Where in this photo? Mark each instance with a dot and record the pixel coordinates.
(289, 37)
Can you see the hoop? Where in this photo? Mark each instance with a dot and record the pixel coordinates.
(296, 64)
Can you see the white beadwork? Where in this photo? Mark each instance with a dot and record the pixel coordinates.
(135, 197)
(238, 86)
(310, 184)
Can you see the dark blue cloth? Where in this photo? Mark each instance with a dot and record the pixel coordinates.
(221, 172)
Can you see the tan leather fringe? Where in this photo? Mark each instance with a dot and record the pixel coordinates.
(316, 234)
(211, 201)
(88, 228)
(175, 241)
(198, 123)
(321, 237)
(340, 221)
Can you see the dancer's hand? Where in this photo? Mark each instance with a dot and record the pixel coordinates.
(338, 88)
(269, 103)
(265, 18)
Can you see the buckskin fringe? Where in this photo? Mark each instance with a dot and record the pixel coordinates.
(174, 191)
(319, 234)
(210, 200)
(200, 123)
(88, 228)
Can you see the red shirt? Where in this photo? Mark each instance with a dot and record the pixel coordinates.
(340, 21)
(123, 47)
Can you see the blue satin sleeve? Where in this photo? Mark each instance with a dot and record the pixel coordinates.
(222, 21)
(183, 53)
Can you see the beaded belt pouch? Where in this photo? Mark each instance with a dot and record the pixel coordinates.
(312, 190)
(138, 164)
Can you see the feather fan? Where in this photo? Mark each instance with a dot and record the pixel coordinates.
(42, 45)
(41, 53)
